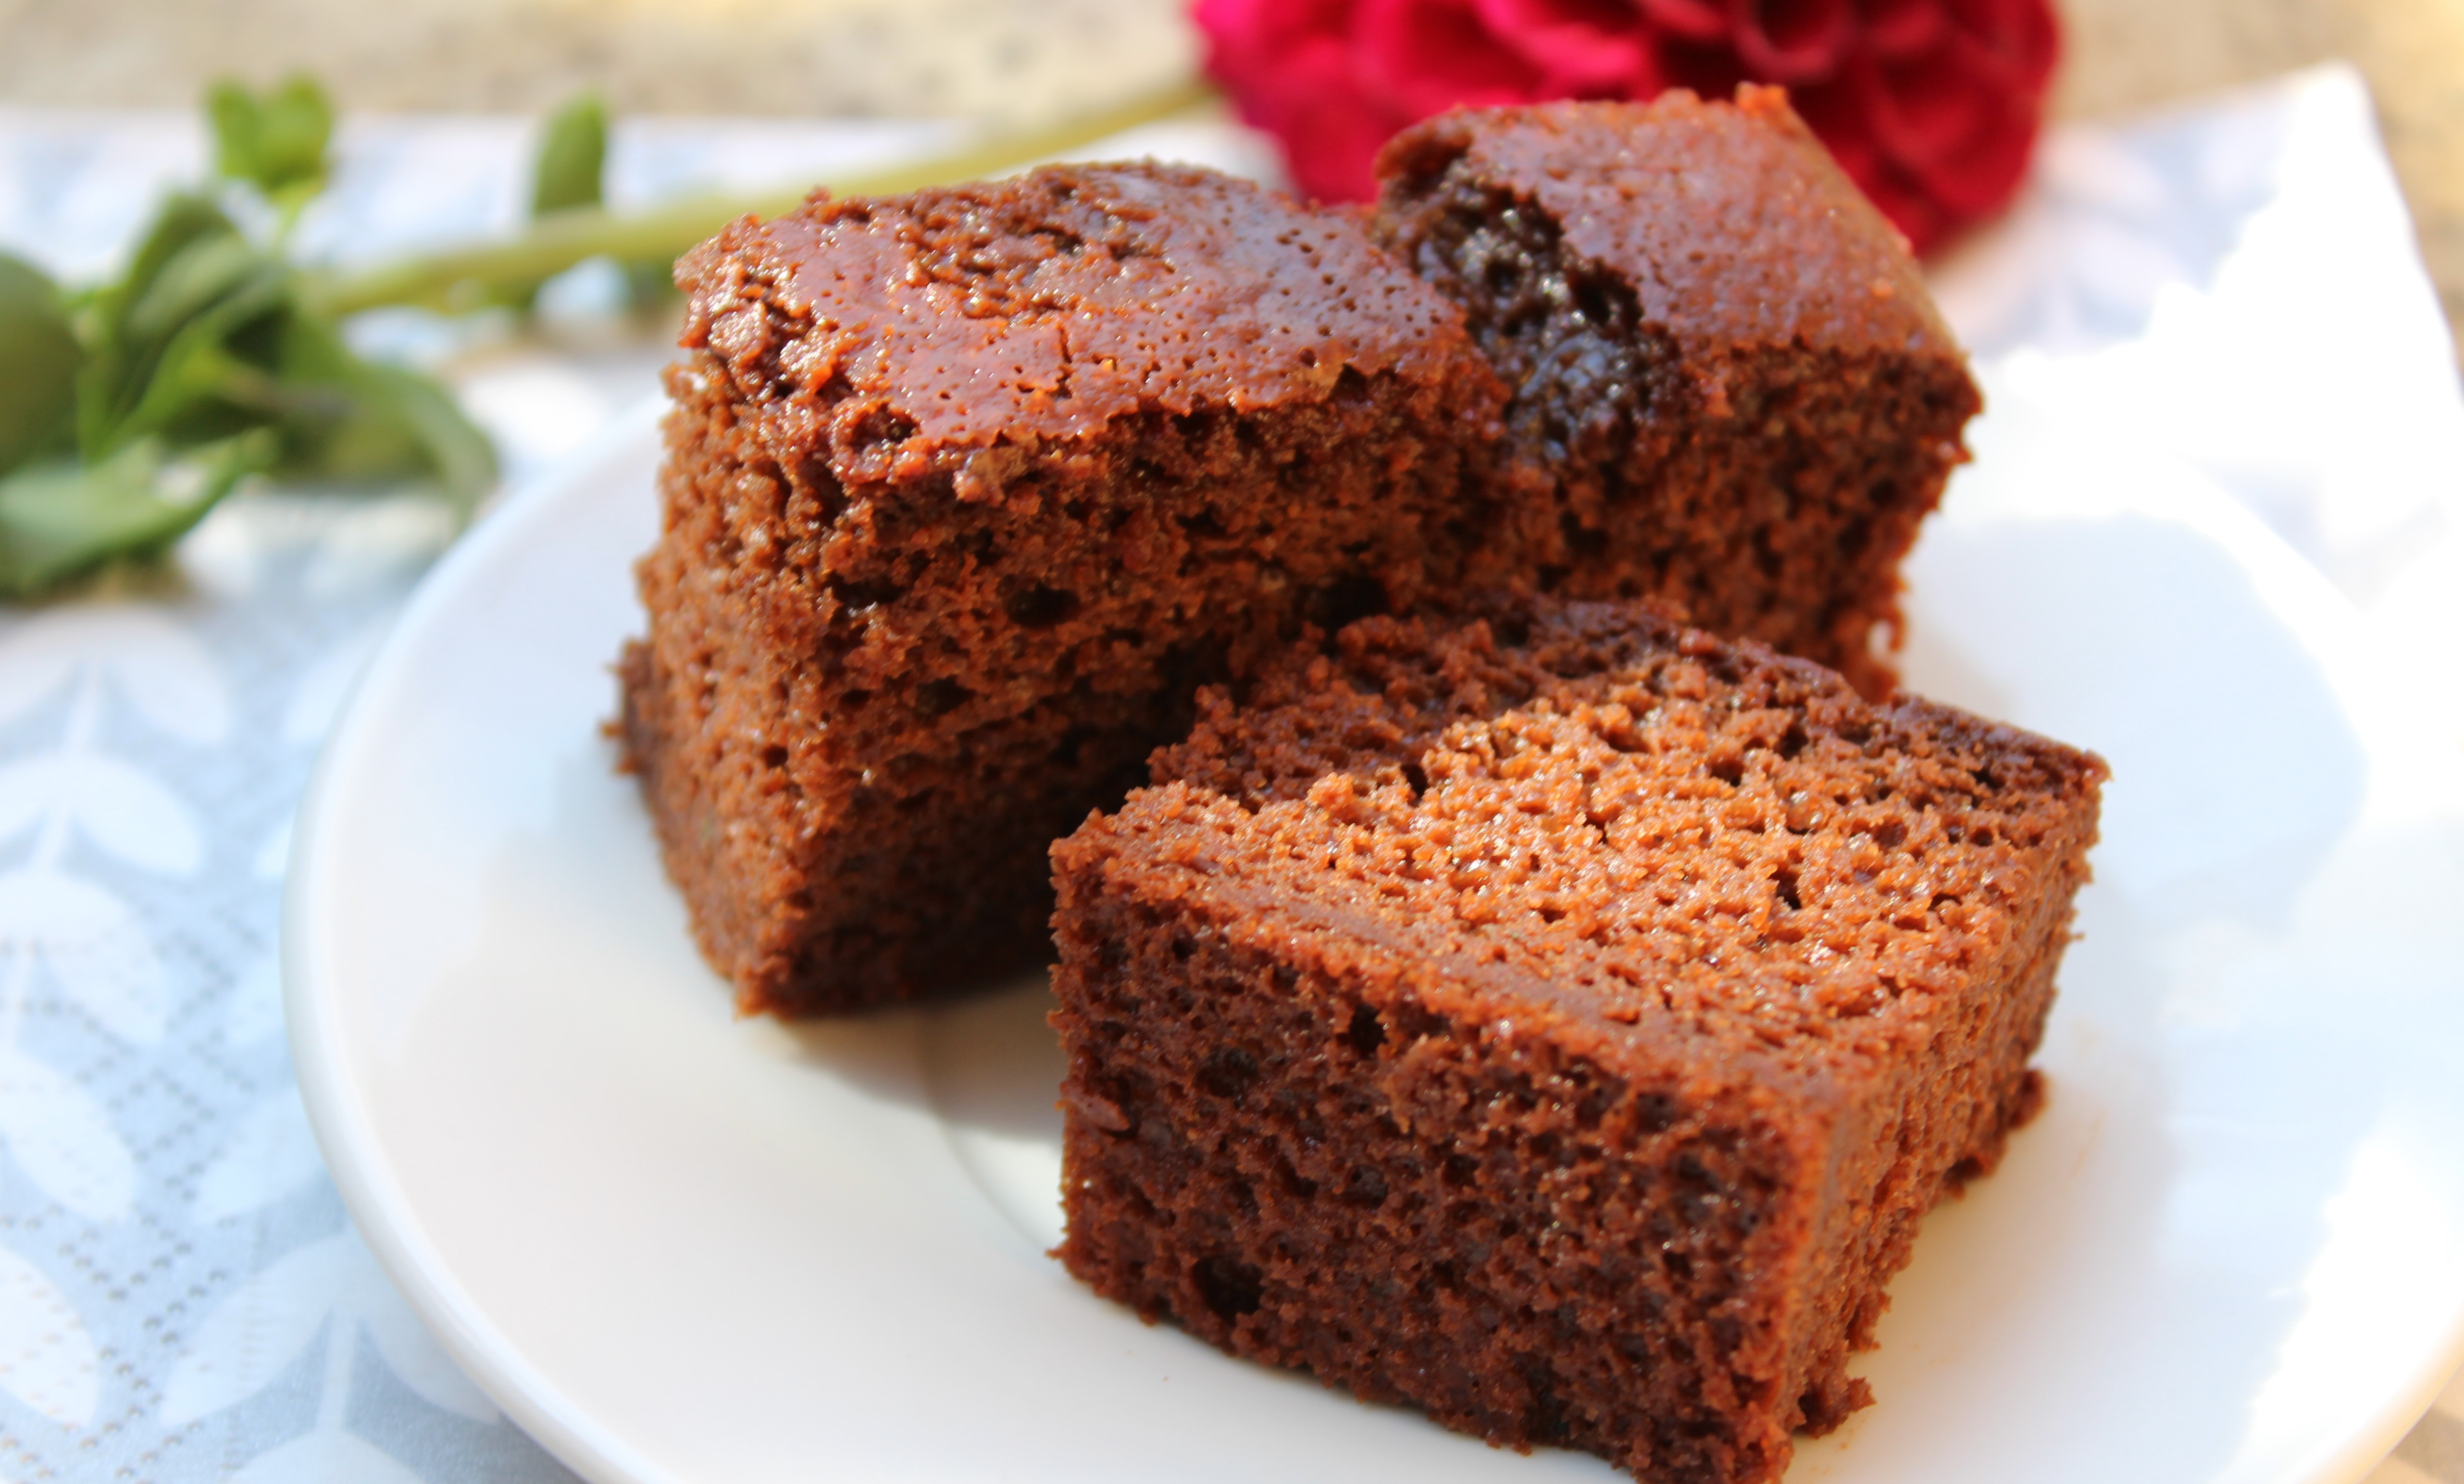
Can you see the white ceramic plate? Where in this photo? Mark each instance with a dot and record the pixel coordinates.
(680, 1246)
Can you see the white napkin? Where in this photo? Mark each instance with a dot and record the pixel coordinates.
(2237, 285)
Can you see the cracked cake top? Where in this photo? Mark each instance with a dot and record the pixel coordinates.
(1037, 309)
(1728, 224)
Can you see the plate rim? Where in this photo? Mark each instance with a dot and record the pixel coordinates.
(378, 1208)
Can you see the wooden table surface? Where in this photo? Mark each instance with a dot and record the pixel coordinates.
(1011, 58)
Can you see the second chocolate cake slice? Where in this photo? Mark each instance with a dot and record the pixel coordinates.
(1731, 393)
(1559, 1022)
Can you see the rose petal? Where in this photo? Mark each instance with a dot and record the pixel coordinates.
(1517, 19)
(1919, 217)
(1837, 114)
(1647, 80)
(1709, 71)
(1250, 39)
(1268, 97)
(1579, 46)
(1264, 30)
(1927, 107)
(2018, 40)
(1791, 40)
(1636, 74)
(1897, 28)
(1317, 108)
(1979, 178)
(1953, 142)
(1688, 20)
(1332, 147)
(1424, 56)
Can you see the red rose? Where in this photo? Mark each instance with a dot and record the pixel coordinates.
(1930, 105)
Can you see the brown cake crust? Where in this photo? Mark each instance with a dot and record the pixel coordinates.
(967, 491)
(1559, 1020)
(1732, 392)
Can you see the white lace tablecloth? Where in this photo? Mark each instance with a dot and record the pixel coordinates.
(182, 1297)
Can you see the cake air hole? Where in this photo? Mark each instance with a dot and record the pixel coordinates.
(1230, 1289)
(1040, 606)
(941, 697)
(1228, 1073)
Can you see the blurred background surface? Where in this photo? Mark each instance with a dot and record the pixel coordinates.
(1025, 58)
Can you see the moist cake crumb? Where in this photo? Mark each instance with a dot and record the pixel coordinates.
(1555, 1019)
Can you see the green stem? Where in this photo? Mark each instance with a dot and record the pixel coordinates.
(551, 245)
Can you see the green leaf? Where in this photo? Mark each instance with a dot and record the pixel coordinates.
(190, 258)
(275, 141)
(202, 277)
(359, 420)
(59, 519)
(214, 372)
(40, 357)
(190, 372)
(572, 156)
(458, 456)
(126, 410)
(209, 336)
(181, 220)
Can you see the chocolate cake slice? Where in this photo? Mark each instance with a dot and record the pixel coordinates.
(1559, 1020)
(1731, 392)
(967, 491)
